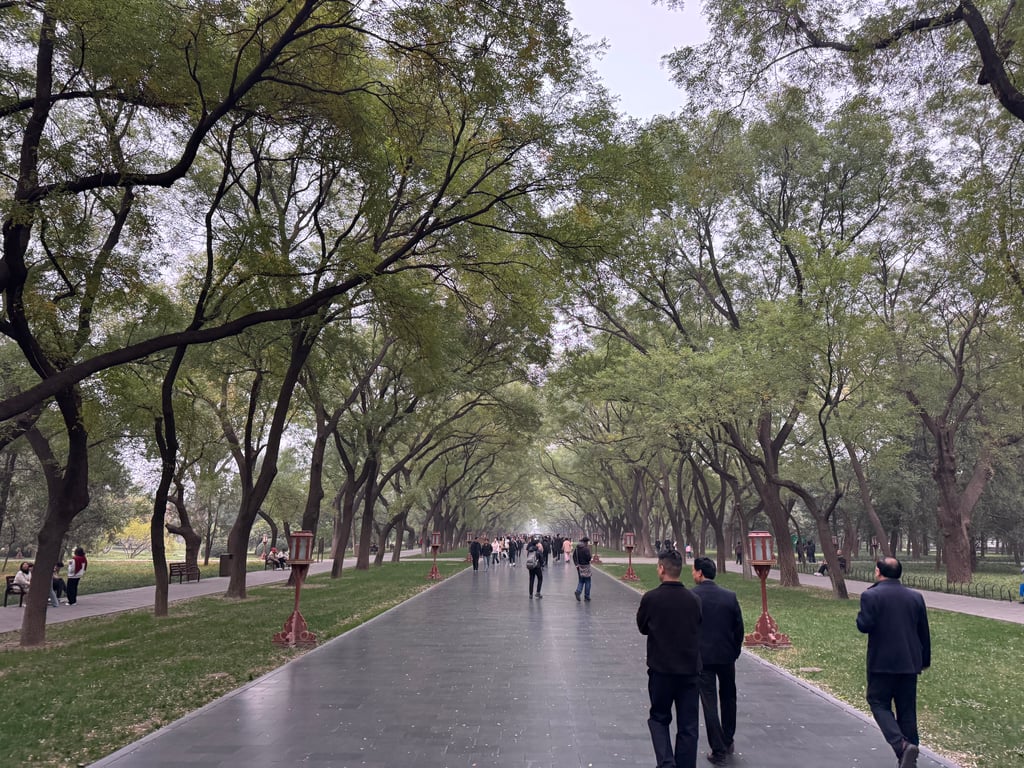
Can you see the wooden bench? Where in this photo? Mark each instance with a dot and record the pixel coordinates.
(184, 571)
(13, 590)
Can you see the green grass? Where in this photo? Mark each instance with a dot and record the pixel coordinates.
(104, 682)
(968, 702)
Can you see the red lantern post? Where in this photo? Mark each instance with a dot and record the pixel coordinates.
(295, 631)
(469, 543)
(594, 558)
(762, 557)
(629, 540)
(435, 544)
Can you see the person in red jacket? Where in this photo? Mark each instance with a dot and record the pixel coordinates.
(76, 570)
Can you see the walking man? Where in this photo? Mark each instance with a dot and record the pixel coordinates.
(474, 553)
(581, 559)
(899, 647)
(721, 640)
(670, 616)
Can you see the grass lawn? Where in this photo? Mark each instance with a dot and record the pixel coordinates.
(968, 702)
(101, 683)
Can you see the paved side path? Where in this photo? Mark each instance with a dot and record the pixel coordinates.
(471, 673)
(100, 603)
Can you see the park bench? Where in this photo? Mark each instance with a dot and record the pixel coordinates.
(184, 571)
(270, 564)
(13, 590)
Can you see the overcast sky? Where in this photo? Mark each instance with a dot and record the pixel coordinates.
(638, 34)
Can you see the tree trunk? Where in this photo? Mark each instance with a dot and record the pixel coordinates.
(865, 499)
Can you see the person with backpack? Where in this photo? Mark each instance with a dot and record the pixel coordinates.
(535, 565)
(581, 559)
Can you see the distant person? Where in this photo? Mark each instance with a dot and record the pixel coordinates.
(474, 553)
(535, 565)
(899, 647)
(739, 552)
(581, 558)
(567, 549)
(810, 551)
(282, 558)
(76, 570)
(823, 568)
(23, 578)
(486, 550)
(60, 587)
(721, 641)
(670, 617)
(273, 558)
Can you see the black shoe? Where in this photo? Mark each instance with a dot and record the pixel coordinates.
(730, 749)
(539, 595)
(717, 758)
(577, 596)
(531, 595)
(587, 599)
(908, 759)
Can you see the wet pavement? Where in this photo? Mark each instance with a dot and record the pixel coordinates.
(473, 673)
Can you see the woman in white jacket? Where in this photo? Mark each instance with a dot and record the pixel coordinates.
(23, 578)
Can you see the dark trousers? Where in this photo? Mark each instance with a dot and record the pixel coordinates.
(538, 575)
(721, 730)
(886, 691)
(73, 591)
(683, 692)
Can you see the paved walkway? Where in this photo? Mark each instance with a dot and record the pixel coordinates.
(100, 603)
(472, 673)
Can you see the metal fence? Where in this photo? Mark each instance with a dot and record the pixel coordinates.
(931, 583)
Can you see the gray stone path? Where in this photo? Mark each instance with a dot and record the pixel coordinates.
(472, 673)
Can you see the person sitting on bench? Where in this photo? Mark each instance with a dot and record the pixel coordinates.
(23, 578)
(823, 569)
(273, 559)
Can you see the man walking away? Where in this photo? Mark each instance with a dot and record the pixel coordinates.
(535, 565)
(670, 616)
(581, 559)
(899, 647)
(474, 553)
(721, 640)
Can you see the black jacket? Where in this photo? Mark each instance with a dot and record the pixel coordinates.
(721, 632)
(581, 555)
(670, 616)
(896, 622)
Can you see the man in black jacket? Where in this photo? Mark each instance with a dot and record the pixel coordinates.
(474, 553)
(899, 647)
(721, 640)
(581, 558)
(670, 616)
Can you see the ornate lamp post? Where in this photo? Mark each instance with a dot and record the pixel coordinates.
(629, 540)
(295, 631)
(435, 544)
(594, 557)
(469, 543)
(762, 556)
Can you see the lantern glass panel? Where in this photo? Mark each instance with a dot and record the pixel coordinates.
(435, 539)
(630, 538)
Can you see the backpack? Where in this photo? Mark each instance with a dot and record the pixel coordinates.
(531, 559)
